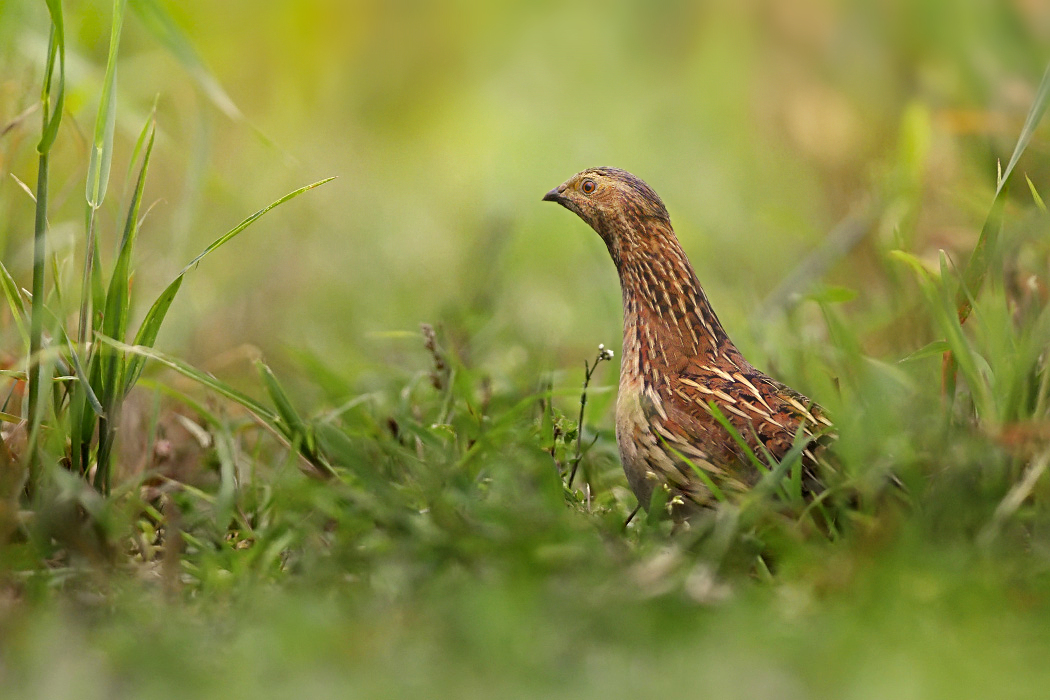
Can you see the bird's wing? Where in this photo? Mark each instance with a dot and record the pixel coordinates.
(767, 414)
(693, 448)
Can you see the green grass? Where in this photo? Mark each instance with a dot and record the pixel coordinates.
(449, 520)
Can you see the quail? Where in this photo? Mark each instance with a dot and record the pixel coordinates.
(678, 362)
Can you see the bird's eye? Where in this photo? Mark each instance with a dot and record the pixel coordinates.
(587, 186)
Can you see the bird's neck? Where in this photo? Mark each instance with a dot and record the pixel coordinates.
(662, 296)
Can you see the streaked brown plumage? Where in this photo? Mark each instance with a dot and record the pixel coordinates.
(677, 357)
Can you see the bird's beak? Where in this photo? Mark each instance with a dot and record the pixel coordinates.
(554, 195)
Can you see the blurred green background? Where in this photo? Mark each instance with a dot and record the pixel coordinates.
(769, 127)
(762, 124)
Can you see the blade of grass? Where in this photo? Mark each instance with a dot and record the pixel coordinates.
(49, 130)
(149, 329)
(293, 424)
(14, 300)
(267, 417)
(704, 477)
(978, 263)
(56, 48)
(202, 378)
(951, 327)
(1035, 115)
(1035, 195)
(118, 301)
(102, 145)
(99, 163)
(151, 324)
(717, 414)
(115, 323)
(937, 347)
(984, 251)
(299, 434)
(250, 220)
(140, 143)
(58, 329)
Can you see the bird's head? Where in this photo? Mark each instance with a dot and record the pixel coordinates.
(609, 198)
(620, 207)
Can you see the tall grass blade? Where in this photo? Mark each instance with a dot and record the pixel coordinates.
(49, 130)
(986, 243)
(300, 435)
(983, 252)
(14, 300)
(140, 143)
(115, 319)
(262, 412)
(949, 324)
(225, 238)
(148, 331)
(82, 377)
(1035, 194)
(151, 324)
(99, 163)
(56, 48)
(287, 412)
(115, 324)
(102, 144)
(741, 443)
(78, 369)
(937, 347)
(1035, 115)
(704, 477)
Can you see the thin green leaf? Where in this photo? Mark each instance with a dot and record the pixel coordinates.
(150, 328)
(704, 477)
(1035, 195)
(82, 378)
(39, 375)
(657, 507)
(250, 220)
(1035, 115)
(99, 164)
(791, 461)
(183, 368)
(937, 347)
(281, 401)
(83, 381)
(77, 452)
(118, 299)
(717, 414)
(227, 493)
(98, 287)
(948, 322)
(14, 300)
(56, 48)
(102, 144)
(140, 142)
(977, 266)
(151, 324)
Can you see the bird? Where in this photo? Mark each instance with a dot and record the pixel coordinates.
(679, 370)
